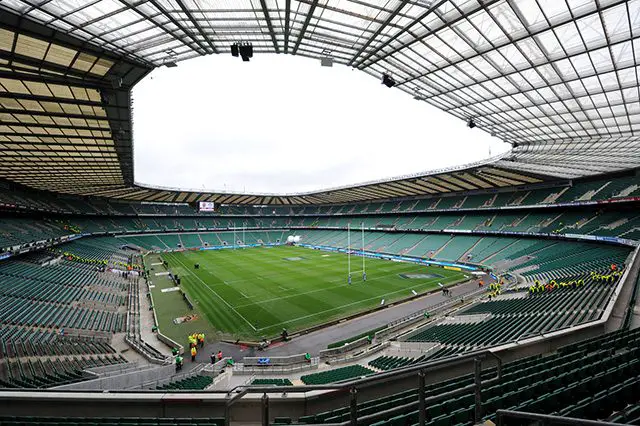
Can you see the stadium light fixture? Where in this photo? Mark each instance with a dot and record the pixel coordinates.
(246, 51)
(471, 124)
(326, 61)
(388, 81)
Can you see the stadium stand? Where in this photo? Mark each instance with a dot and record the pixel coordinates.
(576, 381)
(111, 421)
(336, 375)
(554, 80)
(275, 382)
(190, 383)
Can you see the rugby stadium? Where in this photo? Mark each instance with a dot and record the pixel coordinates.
(498, 292)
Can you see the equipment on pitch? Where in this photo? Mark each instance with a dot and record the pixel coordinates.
(293, 239)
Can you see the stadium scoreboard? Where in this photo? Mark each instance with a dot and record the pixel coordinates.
(206, 206)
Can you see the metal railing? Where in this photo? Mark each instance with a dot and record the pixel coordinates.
(353, 387)
(546, 419)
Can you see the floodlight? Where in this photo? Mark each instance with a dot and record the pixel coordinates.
(246, 51)
(326, 61)
(388, 81)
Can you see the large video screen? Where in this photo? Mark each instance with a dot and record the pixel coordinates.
(206, 206)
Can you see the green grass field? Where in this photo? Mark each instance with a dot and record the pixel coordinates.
(255, 292)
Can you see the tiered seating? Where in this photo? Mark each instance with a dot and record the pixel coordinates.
(16, 341)
(110, 421)
(275, 382)
(390, 362)
(336, 375)
(514, 318)
(567, 258)
(190, 240)
(488, 246)
(44, 373)
(594, 379)
(18, 231)
(190, 383)
(582, 190)
(104, 248)
(43, 296)
(457, 247)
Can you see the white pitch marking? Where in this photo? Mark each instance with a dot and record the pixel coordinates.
(219, 297)
(327, 310)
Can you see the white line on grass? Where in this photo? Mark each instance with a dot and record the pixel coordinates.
(329, 310)
(219, 297)
(378, 278)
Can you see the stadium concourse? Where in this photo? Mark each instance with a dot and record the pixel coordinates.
(502, 291)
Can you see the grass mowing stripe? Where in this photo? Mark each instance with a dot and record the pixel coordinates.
(320, 290)
(269, 290)
(338, 307)
(219, 297)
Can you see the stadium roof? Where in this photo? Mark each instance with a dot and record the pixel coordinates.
(559, 80)
(479, 176)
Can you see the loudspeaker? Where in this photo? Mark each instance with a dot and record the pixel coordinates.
(234, 50)
(388, 81)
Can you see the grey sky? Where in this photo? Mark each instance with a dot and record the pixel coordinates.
(285, 124)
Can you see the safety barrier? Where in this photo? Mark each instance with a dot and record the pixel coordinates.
(347, 347)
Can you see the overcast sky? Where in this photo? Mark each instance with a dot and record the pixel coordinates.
(286, 124)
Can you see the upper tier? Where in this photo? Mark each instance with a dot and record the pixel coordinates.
(603, 189)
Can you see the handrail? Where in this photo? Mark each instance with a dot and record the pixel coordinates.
(396, 373)
(548, 419)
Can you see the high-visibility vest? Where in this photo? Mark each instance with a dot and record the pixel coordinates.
(193, 351)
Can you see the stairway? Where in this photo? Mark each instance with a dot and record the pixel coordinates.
(463, 258)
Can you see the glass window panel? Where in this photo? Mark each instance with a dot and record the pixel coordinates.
(487, 26)
(570, 38)
(601, 60)
(590, 28)
(623, 54)
(616, 22)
